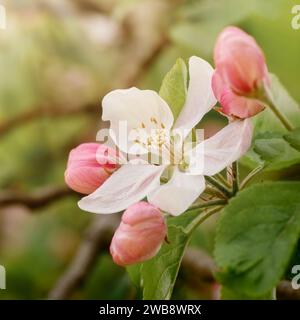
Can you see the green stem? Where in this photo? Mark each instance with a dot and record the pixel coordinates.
(267, 97)
(280, 116)
(235, 178)
(250, 176)
(219, 186)
(208, 204)
(222, 179)
(214, 192)
(201, 218)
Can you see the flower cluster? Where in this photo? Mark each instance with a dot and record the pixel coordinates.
(113, 185)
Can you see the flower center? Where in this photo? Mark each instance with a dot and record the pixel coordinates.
(157, 140)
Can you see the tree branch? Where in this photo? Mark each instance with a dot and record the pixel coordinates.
(46, 111)
(96, 240)
(35, 200)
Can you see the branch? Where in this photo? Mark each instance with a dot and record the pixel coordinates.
(138, 55)
(37, 199)
(285, 291)
(47, 111)
(198, 265)
(96, 240)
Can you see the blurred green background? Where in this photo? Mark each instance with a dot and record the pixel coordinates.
(57, 60)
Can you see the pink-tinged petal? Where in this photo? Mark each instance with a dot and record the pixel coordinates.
(232, 104)
(239, 106)
(200, 97)
(139, 236)
(218, 85)
(216, 153)
(85, 180)
(129, 184)
(176, 196)
(84, 174)
(240, 61)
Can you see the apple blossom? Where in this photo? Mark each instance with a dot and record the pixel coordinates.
(147, 111)
(241, 73)
(89, 165)
(139, 235)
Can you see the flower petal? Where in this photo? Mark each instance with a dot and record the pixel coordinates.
(216, 153)
(200, 97)
(128, 185)
(239, 106)
(142, 110)
(176, 196)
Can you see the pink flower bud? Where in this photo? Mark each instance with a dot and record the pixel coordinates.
(84, 173)
(108, 158)
(240, 61)
(139, 235)
(234, 105)
(241, 73)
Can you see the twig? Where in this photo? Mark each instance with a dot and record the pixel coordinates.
(96, 240)
(285, 291)
(35, 200)
(47, 111)
(198, 264)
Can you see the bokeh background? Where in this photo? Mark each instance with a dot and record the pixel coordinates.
(57, 60)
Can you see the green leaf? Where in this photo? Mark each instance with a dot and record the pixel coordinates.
(174, 87)
(227, 294)
(274, 150)
(134, 272)
(294, 261)
(159, 274)
(281, 150)
(267, 121)
(293, 138)
(256, 237)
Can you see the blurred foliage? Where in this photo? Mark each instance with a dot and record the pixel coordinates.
(62, 55)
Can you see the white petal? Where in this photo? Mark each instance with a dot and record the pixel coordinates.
(137, 109)
(200, 97)
(128, 185)
(176, 196)
(216, 153)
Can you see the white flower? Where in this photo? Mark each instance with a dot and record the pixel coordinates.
(147, 111)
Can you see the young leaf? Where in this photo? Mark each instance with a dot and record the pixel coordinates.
(134, 272)
(159, 274)
(174, 87)
(293, 138)
(267, 121)
(256, 237)
(274, 150)
(227, 294)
